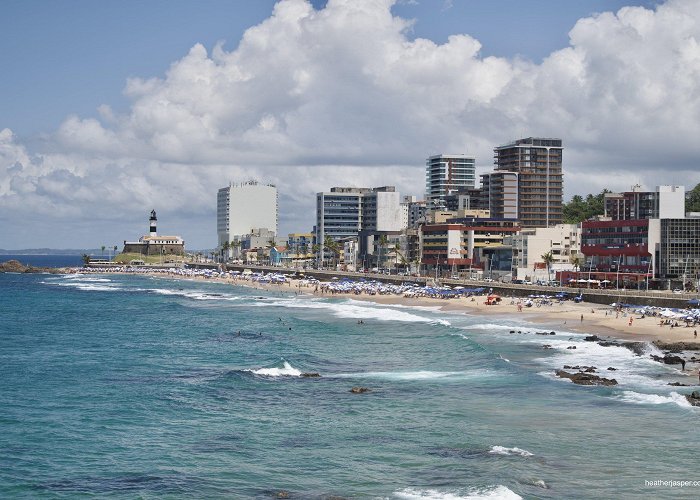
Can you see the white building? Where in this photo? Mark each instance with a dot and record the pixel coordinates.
(242, 207)
(563, 240)
(448, 174)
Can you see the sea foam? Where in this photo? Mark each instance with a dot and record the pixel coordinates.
(502, 450)
(286, 371)
(487, 493)
(654, 399)
(352, 310)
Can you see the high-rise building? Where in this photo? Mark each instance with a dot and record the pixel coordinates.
(448, 174)
(538, 163)
(243, 208)
(500, 193)
(667, 202)
(345, 211)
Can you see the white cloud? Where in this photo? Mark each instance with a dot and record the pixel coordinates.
(309, 99)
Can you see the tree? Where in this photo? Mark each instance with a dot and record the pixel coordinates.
(225, 246)
(332, 246)
(86, 259)
(692, 199)
(548, 258)
(580, 209)
(236, 245)
(103, 250)
(382, 245)
(576, 261)
(271, 243)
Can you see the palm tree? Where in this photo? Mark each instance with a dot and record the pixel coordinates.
(401, 256)
(115, 251)
(315, 249)
(86, 259)
(225, 248)
(103, 250)
(382, 244)
(235, 245)
(331, 245)
(548, 258)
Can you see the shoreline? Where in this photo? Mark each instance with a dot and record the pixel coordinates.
(584, 318)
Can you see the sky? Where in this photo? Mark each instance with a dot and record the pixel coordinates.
(111, 109)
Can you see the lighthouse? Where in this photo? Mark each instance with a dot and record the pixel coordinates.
(152, 223)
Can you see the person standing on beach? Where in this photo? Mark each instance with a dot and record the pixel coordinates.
(582, 318)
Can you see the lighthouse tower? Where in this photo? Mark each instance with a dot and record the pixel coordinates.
(152, 223)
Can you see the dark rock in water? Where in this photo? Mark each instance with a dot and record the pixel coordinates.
(678, 384)
(541, 333)
(677, 346)
(547, 346)
(552, 333)
(638, 348)
(586, 378)
(282, 494)
(571, 347)
(311, 374)
(669, 359)
(608, 343)
(610, 368)
(592, 338)
(512, 331)
(590, 369)
(359, 390)
(693, 398)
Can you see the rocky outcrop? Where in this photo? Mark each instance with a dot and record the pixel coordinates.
(591, 338)
(586, 378)
(310, 375)
(693, 398)
(360, 390)
(669, 359)
(677, 346)
(15, 266)
(583, 368)
(678, 384)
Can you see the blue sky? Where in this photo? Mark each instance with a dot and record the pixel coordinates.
(69, 57)
(110, 109)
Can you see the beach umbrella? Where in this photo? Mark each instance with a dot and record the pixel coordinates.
(606, 281)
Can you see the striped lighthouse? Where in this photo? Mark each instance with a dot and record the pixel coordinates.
(152, 223)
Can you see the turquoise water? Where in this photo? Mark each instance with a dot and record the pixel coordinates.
(130, 386)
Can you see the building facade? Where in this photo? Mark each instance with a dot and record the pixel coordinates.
(678, 254)
(242, 207)
(345, 211)
(562, 240)
(448, 174)
(500, 192)
(666, 202)
(538, 163)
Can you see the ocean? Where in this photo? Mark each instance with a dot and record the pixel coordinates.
(53, 260)
(118, 386)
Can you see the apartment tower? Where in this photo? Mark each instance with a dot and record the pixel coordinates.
(538, 163)
(446, 175)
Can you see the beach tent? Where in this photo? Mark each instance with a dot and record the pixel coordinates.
(694, 302)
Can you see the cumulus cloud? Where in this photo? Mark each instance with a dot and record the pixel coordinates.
(309, 99)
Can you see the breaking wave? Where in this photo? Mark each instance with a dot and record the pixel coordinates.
(502, 450)
(492, 492)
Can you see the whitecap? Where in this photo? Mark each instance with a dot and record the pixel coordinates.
(502, 450)
(286, 371)
(486, 493)
(654, 399)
